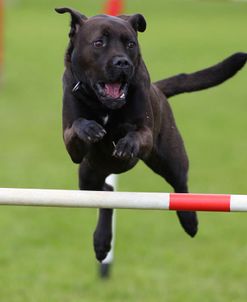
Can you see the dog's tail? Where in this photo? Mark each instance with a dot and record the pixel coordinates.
(203, 79)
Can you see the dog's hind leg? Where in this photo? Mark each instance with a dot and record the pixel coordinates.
(102, 237)
(173, 167)
(90, 179)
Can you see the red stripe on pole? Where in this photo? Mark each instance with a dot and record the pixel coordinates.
(114, 7)
(200, 202)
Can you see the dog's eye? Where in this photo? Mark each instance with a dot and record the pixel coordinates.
(131, 44)
(98, 43)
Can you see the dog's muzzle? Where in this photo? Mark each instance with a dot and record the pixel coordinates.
(113, 92)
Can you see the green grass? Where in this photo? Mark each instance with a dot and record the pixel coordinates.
(46, 254)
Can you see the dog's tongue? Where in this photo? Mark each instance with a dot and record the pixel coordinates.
(113, 90)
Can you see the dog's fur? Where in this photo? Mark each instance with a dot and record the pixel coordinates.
(113, 115)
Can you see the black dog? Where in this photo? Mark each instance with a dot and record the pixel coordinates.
(113, 116)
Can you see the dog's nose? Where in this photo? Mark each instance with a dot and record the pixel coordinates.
(121, 62)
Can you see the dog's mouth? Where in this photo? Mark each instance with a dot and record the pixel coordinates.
(112, 95)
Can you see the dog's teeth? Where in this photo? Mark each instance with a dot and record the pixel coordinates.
(122, 96)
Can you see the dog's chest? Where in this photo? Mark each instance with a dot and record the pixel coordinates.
(109, 120)
(114, 125)
(105, 119)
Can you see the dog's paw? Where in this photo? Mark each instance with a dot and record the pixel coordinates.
(189, 222)
(102, 244)
(126, 148)
(89, 131)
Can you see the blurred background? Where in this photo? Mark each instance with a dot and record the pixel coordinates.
(47, 254)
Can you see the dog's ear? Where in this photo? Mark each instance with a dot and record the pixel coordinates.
(137, 21)
(77, 19)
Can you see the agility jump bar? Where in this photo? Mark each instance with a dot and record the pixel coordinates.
(123, 200)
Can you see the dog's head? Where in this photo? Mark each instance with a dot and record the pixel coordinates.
(104, 53)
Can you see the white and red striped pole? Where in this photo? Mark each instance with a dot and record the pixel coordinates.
(124, 200)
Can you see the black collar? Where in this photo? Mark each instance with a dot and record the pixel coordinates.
(81, 91)
(79, 88)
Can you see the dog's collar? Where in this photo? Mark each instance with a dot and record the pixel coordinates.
(78, 84)
(79, 87)
(79, 90)
(76, 87)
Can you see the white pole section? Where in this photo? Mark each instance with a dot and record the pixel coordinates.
(111, 180)
(83, 199)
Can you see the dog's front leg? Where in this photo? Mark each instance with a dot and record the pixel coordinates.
(80, 135)
(134, 144)
(138, 140)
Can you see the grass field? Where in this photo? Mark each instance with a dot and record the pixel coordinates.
(46, 254)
